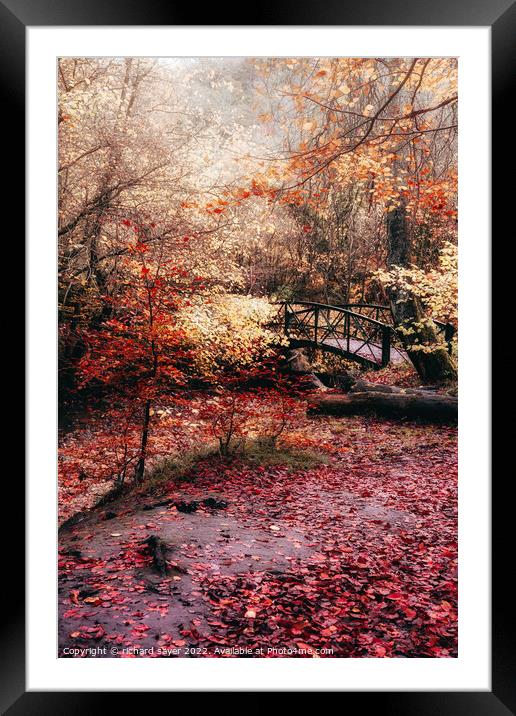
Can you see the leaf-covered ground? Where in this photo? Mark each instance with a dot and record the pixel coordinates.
(356, 558)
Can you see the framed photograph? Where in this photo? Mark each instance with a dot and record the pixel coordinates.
(258, 357)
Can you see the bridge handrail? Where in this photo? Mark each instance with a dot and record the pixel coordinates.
(388, 331)
(326, 306)
(442, 324)
(344, 307)
(367, 305)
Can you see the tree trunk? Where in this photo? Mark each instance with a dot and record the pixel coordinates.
(430, 408)
(436, 365)
(140, 467)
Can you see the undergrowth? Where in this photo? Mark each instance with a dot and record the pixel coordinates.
(181, 468)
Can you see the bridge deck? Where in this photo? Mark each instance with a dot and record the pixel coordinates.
(371, 351)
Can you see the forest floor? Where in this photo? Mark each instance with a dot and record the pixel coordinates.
(352, 555)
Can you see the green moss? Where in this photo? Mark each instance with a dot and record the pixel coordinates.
(264, 453)
(179, 467)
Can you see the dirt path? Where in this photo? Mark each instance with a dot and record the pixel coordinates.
(354, 558)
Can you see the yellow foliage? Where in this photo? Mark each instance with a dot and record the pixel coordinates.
(227, 331)
(437, 288)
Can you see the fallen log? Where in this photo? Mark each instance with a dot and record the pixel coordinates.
(429, 408)
(365, 386)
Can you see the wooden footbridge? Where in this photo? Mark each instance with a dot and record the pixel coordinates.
(362, 332)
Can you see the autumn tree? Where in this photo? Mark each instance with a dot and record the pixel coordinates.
(386, 128)
(134, 162)
(138, 352)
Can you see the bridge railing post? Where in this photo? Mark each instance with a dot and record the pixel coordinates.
(449, 332)
(386, 346)
(316, 322)
(286, 318)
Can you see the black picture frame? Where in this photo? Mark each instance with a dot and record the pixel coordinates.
(500, 15)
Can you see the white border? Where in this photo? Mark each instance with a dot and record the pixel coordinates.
(472, 669)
